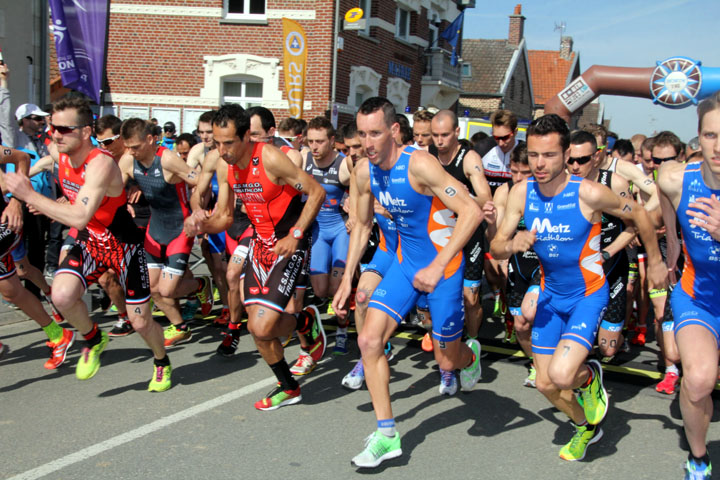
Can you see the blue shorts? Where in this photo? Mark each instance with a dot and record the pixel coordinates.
(379, 264)
(19, 252)
(329, 248)
(567, 318)
(396, 296)
(216, 242)
(687, 311)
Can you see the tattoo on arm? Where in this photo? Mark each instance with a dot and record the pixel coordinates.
(84, 200)
(7, 152)
(567, 350)
(192, 175)
(298, 187)
(648, 181)
(627, 208)
(450, 192)
(623, 194)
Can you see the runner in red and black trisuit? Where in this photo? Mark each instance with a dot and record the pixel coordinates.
(270, 186)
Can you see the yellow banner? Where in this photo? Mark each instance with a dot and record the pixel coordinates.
(295, 65)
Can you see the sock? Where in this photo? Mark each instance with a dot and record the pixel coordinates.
(672, 369)
(123, 316)
(584, 423)
(234, 329)
(303, 322)
(93, 337)
(282, 373)
(53, 331)
(162, 362)
(341, 331)
(387, 427)
(699, 460)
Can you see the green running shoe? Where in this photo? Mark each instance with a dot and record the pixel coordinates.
(378, 448)
(89, 362)
(471, 375)
(532, 375)
(279, 398)
(576, 449)
(189, 309)
(160, 380)
(594, 396)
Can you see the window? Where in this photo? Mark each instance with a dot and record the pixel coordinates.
(247, 91)
(466, 70)
(244, 10)
(364, 83)
(402, 23)
(365, 5)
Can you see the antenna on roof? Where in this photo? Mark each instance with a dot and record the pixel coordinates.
(560, 27)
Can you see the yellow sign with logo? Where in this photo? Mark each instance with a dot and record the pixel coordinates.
(295, 65)
(353, 15)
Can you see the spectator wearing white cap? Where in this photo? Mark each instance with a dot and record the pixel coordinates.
(30, 121)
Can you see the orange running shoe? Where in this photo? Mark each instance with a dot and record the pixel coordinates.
(427, 344)
(59, 349)
(639, 338)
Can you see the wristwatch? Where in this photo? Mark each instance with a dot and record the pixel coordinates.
(297, 233)
(605, 255)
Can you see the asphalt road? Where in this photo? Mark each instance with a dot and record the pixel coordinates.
(55, 426)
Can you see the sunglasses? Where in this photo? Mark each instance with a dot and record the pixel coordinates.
(658, 161)
(503, 138)
(107, 141)
(64, 129)
(36, 118)
(168, 129)
(579, 160)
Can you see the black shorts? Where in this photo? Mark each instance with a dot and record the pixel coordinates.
(270, 281)
(617, 273)
(474, 258)
(88, 259)
(523, 274)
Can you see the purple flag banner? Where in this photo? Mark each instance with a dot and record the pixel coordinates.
(79, 28)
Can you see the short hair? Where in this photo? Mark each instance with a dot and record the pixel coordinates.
(551, 123)
(624, 147)
(519, 154)
(504, 118)
(293, 125)
(667, 138)
(708, 105)
(598, 131)
(695, 156)
(137, 127)
(423, 116)
(450, 115)
(319, 123)
(350, 129)
(465, 143)
(406, 133)
(189, 138)
(207, 117)
(579, 137)
(267, 119)
(477, 136)
(80, 104)
(108, 121)
(235, 114)
(373, 104)
(647, 144)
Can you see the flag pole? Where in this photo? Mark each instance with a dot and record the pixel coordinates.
(103, 83)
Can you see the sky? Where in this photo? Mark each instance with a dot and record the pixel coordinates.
(627, 33)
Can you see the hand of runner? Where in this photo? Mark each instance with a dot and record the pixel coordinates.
(133, 194)
(350, 224)
(657, 276)
(710, 220)
(490, 212)
(523, 241)
(285, 246)
(19, 185)
(13, 216)
(427, 278)
(192, 223)
(340, 300)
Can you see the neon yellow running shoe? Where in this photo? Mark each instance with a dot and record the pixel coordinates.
(576, 449)
(594, 396)
(160, 380)
(89, 362)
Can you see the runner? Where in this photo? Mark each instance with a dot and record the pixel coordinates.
(564, 212)
(270, 186)
(107, 237)
(694, 192)
(424, 222)
(163, 178)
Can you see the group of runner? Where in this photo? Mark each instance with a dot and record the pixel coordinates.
(553, 223)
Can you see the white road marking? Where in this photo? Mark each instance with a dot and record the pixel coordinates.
(140, 432)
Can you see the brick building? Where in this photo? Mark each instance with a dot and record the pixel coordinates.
(174, 59)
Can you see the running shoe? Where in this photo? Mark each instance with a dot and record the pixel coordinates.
(121, 328)
(668, 383)
(330, 310)
(228, 346)
(317, 334)
(89, 362)
(189, 309)
(205, 296)
(223, 319)
(499, 308)
(279, 398)
(175, 336)
(216, 295)
(427, 344)
(59, 349)
(469, 376)
(341, 339)
(576, 449)
(388, 352)
(509, 332)
(530, 379)
(594, 396)
(355, 379)
(304, 364)
(285, 341)
(160, 380)
(639, 338)
(693, 471)
(378, 448)
(448, 383)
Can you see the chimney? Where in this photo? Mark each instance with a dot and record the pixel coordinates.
(517, 26)
(566, 44)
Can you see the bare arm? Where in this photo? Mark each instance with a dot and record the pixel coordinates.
(195, 155)
(200, 195)
(669, 185)
(474, 171)
(220, 219)
(12, 214)
(180, 170)
(621, 187)
(506, 242)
